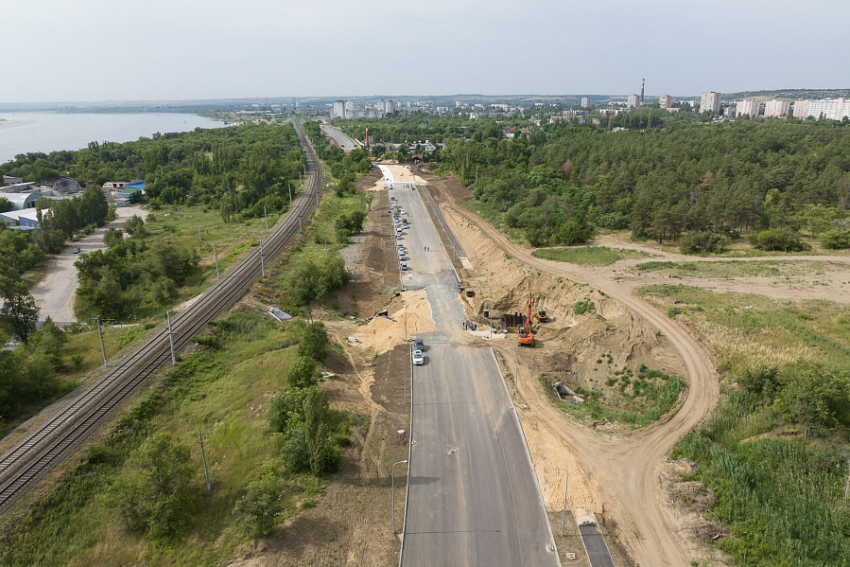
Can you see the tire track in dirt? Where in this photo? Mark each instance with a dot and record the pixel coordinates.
(626, 468)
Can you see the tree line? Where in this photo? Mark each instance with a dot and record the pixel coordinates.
(562, 180)
(133, 276)
(239, 169)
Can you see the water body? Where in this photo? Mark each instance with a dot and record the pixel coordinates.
(48, 132)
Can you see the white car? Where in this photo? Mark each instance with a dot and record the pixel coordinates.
(418, 358)
(403, 267)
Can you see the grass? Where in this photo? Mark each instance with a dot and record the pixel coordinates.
(780, 494)
(223, 395)
(780, 498)
(734, 269)
(746, 330)
(588, 255)
(633, 400)
(201, 227)
(318, 243)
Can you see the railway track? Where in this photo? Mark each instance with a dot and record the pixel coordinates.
(23, 466)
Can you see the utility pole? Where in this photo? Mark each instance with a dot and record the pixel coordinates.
(204, 457)
(262, 260)
(215, 255)
(171, 338)
(290, 193)
(266, 214)
(102, 346)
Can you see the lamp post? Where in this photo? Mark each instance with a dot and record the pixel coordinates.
(393, 475)
(564, 513)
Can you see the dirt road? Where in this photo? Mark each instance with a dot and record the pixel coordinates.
(54, 294)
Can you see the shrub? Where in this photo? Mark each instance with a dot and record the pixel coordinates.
(778, 239)
(302, 373)
(835, 239)
(154, 495)
(263, 501)
(582, 307)
(696, 242)
(315, 342)
(613, 221)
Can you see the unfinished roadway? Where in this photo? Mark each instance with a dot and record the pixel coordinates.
(473, 497)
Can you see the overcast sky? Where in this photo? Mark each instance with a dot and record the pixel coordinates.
(93, 50)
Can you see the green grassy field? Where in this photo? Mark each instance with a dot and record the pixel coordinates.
(221, 394)
(588, 255)
(747, 330)
(735, 269)
(202, 228)
(778, 487)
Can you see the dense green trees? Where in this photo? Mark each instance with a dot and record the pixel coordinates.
(28, 373)
(662, 177)
(314, 282)
(19, 313)
(249, 166)
(61, 219)
(133, 276)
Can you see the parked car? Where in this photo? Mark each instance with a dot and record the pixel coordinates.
(419, 345)
(76, 249)
(403, 267)
(418, 358)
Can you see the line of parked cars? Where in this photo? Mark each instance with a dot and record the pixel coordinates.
(400, 223)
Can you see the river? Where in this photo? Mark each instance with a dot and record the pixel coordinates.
(23, 132)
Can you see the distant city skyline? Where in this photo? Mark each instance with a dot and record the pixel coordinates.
(96, 50)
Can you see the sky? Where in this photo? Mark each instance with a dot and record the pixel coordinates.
(97, 50)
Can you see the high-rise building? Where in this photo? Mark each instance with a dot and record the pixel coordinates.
(634, 101)
(585, 102)
(774, 108)
(829, 108)
(801, 108)
(710, 102)
(665, 101)
(338, 109)
(748, 107)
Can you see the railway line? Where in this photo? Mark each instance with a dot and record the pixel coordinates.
(69, 426)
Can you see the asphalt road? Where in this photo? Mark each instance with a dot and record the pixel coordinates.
(594, 544)
(54, 294)
(343, 141)
(473, 498)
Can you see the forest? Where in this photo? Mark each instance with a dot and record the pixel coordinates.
(238, 169)
(659, 174)
(561, 181)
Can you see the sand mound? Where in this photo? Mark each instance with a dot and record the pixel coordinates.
(382, 334)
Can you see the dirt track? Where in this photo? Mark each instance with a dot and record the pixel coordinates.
(624, 469)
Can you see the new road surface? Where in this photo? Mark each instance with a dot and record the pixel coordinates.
(340, 139)
(473, 497)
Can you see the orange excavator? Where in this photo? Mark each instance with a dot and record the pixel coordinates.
(526, 337)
